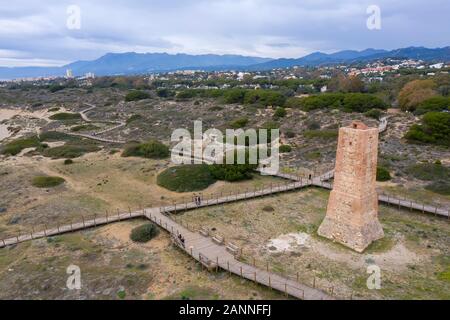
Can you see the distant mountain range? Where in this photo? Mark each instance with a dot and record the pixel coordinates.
(137, 63)
(350, 56)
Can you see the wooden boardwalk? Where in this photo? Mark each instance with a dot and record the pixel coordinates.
(202, 249)
(212, 254)
(400, 203)
(209, 253)
(95, 135)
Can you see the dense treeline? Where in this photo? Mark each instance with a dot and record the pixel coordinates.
(349, 102)
(435, 129)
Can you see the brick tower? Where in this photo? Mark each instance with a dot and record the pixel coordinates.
(352, 214)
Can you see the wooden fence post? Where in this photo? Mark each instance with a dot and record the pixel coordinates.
(242, 274)
(314, 282)
(84, 225)
(285, 289)
(255, 276)
(270, 283)
(228, 265)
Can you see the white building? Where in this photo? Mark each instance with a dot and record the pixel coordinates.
(69, 74)
(437, 66)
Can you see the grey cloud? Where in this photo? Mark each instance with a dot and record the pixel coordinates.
(288, 28)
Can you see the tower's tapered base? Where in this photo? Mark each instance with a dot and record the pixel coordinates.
(352, 214)
(357, 229)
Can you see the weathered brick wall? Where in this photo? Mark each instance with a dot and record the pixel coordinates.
(352, 214)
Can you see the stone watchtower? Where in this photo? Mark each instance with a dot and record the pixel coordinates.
(352, 214)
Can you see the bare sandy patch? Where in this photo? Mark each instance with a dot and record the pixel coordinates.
(288, 243)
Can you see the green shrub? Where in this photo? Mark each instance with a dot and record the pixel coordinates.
(429, 172)
(383, 174)
(440, 187)
(234, 172)
(71, 150)
(437, 104)
(435, 129)
(374, 113)
(133, 118)
(234, 96)
(290, 134)
(187, 178)
(165, 93)
(55, 88)
(349, 102)
(68, 162)
(65, 116)
(15, 147)
(56, 136)
(144, 233)
(84, 127)
(152, 149)
(313, 125)
(186, 94)
(136, 95)
(280, 113)
(239, 123)
(264, 97)
(285, 148)
(322, 134)
(54, 109)
(47, 182)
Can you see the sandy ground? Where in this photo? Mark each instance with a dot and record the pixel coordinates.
(282, 231)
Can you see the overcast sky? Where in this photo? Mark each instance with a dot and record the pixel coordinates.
(36, 33)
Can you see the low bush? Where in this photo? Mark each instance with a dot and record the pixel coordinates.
(15, 147)
(440, 187)
(234, 172)
(133, 118)
(280, 112)
(239, 123)
(374, 113)
(290, 134)
(152, 149)
(47, 182)
(136, 95)
(84, 127)
(435, 129)
(429, 172)
(285, 148)
(434, 104)
(71, 150)
(383, 174)
(144, 233)
(187, 178)
(322, 134)
(65, 116)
